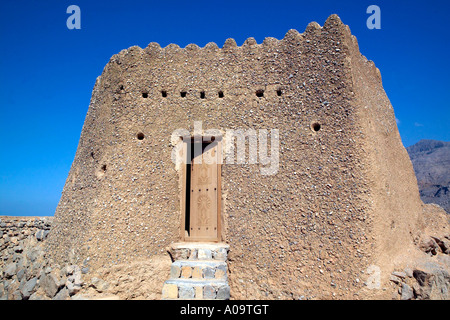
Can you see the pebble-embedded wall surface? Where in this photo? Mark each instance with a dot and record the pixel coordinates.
(344, 196)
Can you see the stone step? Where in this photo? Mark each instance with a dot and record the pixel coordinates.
(196, 289)
(199, 251)
(198, 269)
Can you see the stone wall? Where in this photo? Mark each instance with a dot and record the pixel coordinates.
(21, 241)
(25, 273)
(28, 273)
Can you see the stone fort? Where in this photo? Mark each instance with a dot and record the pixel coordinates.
(343, 196)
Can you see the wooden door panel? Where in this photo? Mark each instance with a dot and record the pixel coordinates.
(204, 192)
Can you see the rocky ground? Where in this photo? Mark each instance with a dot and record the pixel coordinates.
(430, 278)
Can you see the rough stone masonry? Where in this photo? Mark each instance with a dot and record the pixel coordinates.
(25, 272)
(344, 198)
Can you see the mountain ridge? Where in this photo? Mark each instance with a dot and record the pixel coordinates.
(431, 162)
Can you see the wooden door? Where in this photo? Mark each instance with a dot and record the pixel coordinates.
(204, 192)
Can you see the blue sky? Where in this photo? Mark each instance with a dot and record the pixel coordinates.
(47, 71)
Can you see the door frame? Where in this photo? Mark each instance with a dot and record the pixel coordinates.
(183, 189)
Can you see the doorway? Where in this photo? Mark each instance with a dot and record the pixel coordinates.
(201, 195)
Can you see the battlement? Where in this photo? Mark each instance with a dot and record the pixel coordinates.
(333, 24)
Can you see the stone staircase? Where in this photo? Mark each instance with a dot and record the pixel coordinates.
(198, 271)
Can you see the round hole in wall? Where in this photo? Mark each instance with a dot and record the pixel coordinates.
(183, 94)
(144, 95)
(315, 126)
(140, 136)
(101, 172)
(164, 93)
(279, 92)
(220, 94)
(260, 93)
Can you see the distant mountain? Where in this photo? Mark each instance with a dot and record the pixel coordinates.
(431, 162)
